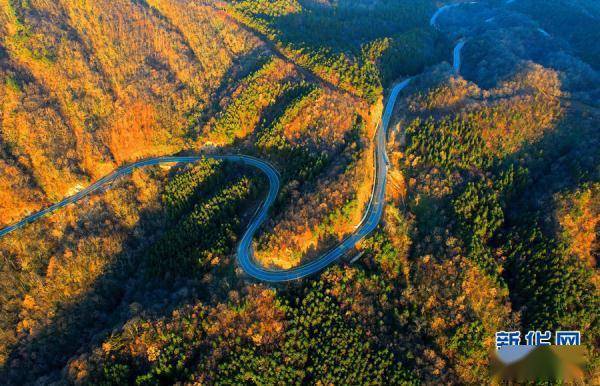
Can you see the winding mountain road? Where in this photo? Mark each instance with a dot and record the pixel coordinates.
(461, 43)
(245, 254)
(245, 250)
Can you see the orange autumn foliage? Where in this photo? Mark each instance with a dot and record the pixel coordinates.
(131, 135)
(579, 217)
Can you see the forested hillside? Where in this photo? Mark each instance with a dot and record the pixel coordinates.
(492, 203)
(554, 34)
(571, 21)
(356, 45)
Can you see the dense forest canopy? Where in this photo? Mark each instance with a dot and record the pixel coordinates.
(492, 212)
(357, 45)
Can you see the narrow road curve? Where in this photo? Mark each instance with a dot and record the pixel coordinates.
(264, 166)
(245, 253)
(461, 43)
(457, 51)
(433, 20)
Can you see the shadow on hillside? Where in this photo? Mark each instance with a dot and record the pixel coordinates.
(240, 68)
(127, 289)
(346, 27)
(76, 325)
(560, 161)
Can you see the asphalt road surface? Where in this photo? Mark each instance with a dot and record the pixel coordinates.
(457, 50)
(264, 166)
(433, 20)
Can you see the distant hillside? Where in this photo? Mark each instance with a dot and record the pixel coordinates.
(576, 21)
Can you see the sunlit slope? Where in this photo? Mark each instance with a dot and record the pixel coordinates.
(87, 85)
